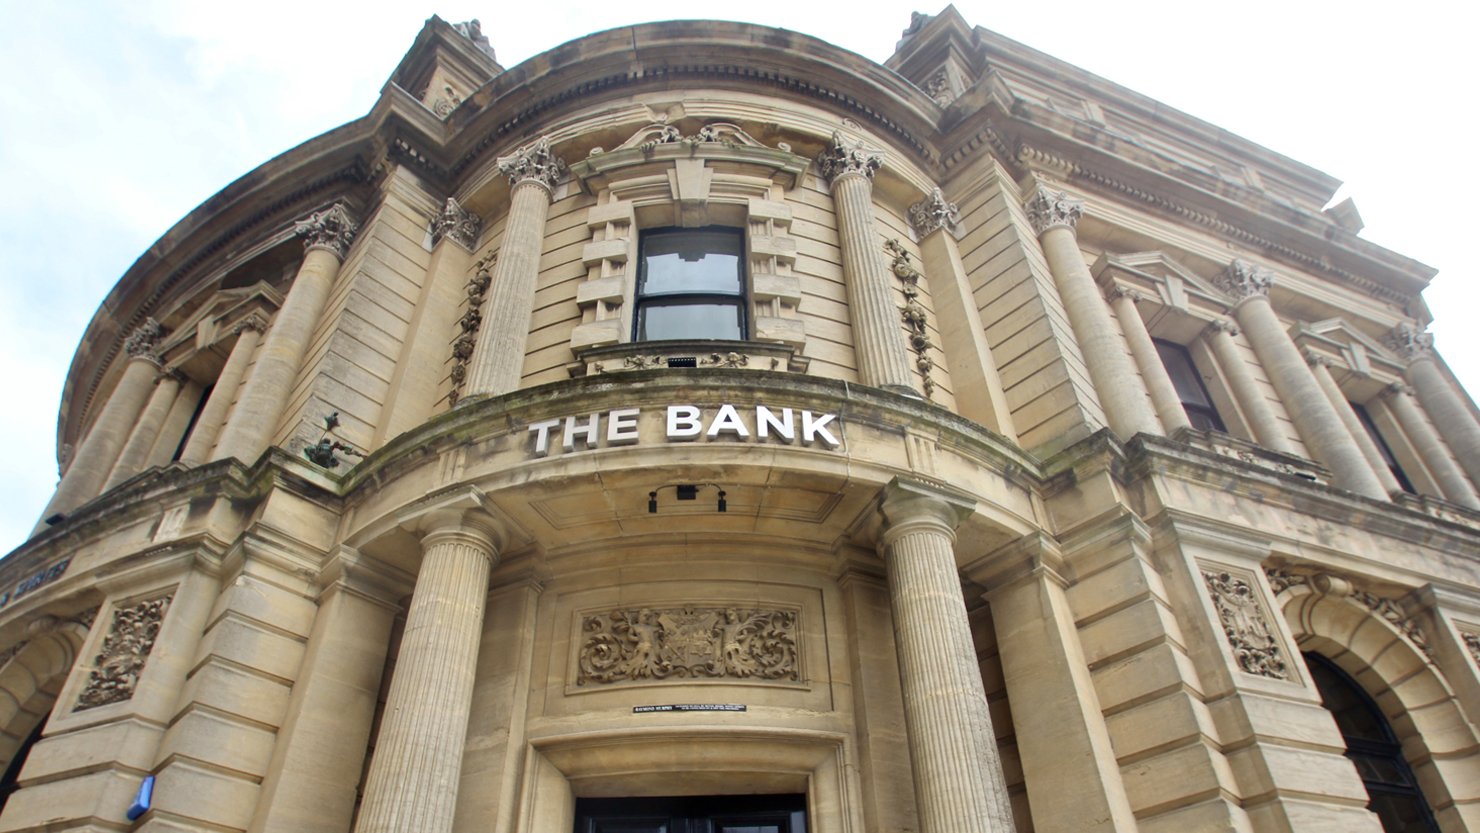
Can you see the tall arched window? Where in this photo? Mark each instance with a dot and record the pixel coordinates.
(1392, 791)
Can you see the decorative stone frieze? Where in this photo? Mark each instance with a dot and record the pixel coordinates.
(689, 642)
(934, 213)
(534, 162)
(938, 87)
(468, 325)
(1242, 279)
(1049, 209)
(457, 225)
(913, 314)
(1256, 649)
(1282, 580)
(842, 157)
(1388, 609)
(126, 648)
(1410, 342)
(142, 341)
(331, 229)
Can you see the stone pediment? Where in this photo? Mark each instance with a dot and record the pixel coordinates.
(1174, 285)
(1336, 338)
(717, 141)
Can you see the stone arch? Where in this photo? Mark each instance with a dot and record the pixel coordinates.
(31, 679)
(1328, 617)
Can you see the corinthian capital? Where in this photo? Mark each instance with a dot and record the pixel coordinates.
(533, 163)
(1410, 342)
(1050, 209)
(142, 341)
(457, 225)
(1242, 279)
(933, 214)
(330, 229)
(841, 157)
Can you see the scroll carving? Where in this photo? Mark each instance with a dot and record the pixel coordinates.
(468, 325)
(117, 667)
(1256, 649)
(913, 314)
(689, 642)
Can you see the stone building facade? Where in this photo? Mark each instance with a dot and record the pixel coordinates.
(698, 424)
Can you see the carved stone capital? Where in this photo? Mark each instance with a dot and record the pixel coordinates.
(842, 157)
(141, 343)
(330, 229)
(457, 225)
(1117, 291)
(1410, 342)
(1224, 325)
(1242, 279)
(934, 213)
(254, 322)
(1049, 209)
(1315, 359)
(533, 163)
(1400, 389)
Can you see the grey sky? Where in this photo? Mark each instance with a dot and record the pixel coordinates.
(122, 117)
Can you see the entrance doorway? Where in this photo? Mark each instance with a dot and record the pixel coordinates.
(693, 814)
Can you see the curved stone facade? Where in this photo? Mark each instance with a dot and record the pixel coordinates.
(700, 410)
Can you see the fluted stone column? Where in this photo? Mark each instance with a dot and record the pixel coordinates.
(1321, 367)
(878, 338)
(498, 359)
(1451, 415)
(93, 461)
(213, 416)
(1319, 425)
(1430, 447)
(413, 780)
(959, 786)
(1054, 215)
(1251, 402)
(259, 409)
(1164, 396)
(146, 429)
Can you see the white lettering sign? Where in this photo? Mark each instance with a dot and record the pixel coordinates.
(687, 423)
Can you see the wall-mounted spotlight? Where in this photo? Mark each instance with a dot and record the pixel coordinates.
(686, 491)
(652, 503)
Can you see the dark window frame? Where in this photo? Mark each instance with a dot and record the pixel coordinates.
(1203, 415)
(740, 299)
(1383, 449)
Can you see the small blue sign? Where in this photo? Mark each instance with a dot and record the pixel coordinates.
(143, 799)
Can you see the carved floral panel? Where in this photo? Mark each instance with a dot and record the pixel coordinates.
(1256, 649)
(119, 663)
(635, 644)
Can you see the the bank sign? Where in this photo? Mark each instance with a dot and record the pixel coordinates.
(687, 423)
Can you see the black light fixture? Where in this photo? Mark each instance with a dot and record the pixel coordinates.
(652, 503)
(722, 506)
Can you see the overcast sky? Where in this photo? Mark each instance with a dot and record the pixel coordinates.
(119, 118)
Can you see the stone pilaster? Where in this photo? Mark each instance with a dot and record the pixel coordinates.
(1054, 215)
(1320, 367)
(1430, 447)
(94, 460)
(1443, 403)
(259, 409)
(1143, 350)
(959, 786)
(146, 430)
(213, 416)
(498, 359)
(1320, 427)
(413, 779)
(1263, 424)
(883, 360)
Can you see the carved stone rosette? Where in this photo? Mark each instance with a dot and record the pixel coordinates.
(331, 229)
(1256, 649)
(689, 642)
(469, 324)
(141, 343)
(117, 666)
(1050, 209)
(1410, 342)
(913, 314)
(533, 163)
(842, 157)
(457, 225)
(1242, 279)
(934, 213)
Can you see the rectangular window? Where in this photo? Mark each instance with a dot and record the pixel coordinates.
(1383, 449)
(690, 285)
(1189, 386)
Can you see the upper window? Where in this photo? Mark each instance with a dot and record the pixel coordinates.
(1383, 448)
(690, 285)
(1189, 386)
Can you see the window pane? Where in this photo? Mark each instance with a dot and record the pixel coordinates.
(657, 321)
(690, 261)
(1184, 375)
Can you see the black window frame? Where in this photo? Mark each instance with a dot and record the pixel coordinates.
(740, 299)
(1204, 417)
(693, 814)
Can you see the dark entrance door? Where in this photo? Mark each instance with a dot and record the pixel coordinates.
(693, 814)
